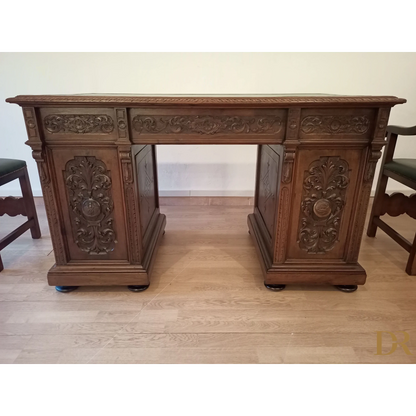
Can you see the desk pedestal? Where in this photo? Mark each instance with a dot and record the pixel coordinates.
(309, 215)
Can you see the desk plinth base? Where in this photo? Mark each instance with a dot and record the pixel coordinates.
(307, 273)
(110, 273)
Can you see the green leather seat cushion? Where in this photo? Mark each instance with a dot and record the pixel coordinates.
(403, 167)
(10, 165)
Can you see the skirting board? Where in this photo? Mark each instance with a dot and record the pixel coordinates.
(206, 200)
(4, 191)
(247, 193)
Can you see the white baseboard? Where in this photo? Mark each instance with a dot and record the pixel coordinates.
(17, 192)
(247, 193)
(243, 193)
(406, 192)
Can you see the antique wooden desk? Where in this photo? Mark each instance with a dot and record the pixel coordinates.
(96, 156)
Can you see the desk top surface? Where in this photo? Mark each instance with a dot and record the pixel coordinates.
(273, 100)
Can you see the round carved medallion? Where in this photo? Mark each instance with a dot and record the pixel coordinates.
(30, 123)
(322, 208)
(335, 125)
(91, 208)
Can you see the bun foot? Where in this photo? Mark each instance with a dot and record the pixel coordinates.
(137, 288)
(347, 288)
(66, 289)
(275, 288)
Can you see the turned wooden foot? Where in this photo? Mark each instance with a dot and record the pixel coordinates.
(66, 289)
(137, 288)
(275, 288)
(347, 288)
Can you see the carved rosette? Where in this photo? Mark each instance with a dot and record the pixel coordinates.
(78, 123)
(207, 124)
(88, 185)
(335, 124)
(324, 188)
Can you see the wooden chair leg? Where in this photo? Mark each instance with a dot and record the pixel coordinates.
(377, 204)
(411, 262)
(1, 264)
(29, 203)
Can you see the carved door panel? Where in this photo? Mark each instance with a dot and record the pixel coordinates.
(89, 188)
(267, 192)
(147, 190)
(326, 188)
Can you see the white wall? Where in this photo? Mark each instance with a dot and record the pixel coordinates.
(201, 170)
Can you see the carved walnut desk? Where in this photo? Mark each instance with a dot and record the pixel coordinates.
(96, 156)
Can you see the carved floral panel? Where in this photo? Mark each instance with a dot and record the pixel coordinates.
(88, 184)
(323, 200)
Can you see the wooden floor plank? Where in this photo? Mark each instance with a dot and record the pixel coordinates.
(206, 304)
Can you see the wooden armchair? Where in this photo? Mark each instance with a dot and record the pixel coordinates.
(403, 171)
(11, 169)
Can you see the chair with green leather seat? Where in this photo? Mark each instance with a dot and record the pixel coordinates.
(11, 169)
(403, 171)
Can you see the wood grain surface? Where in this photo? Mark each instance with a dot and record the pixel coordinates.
(206, 303)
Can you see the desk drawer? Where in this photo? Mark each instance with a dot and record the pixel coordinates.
(205, 126)
(78, 124)
(337, 124)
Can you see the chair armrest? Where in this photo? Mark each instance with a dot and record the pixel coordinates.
(402, 131)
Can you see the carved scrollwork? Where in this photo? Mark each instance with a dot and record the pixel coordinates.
(207, 124)
(335, 124)
(78, 123)
(88, 184)
(323, 200)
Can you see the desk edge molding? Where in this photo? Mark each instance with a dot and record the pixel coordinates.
(37, 100)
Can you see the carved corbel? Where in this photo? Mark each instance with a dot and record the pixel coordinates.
(287, 169)
(125, 158)
(371, 165)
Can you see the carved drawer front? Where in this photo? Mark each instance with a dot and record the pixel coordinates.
(79, 124)
(89, 188)
(325, 195)
(336, 124)
(190, 125)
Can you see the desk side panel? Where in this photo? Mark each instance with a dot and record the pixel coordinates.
(267, 192)
(147, 191)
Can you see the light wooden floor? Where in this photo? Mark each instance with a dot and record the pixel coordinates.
(206, 303)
